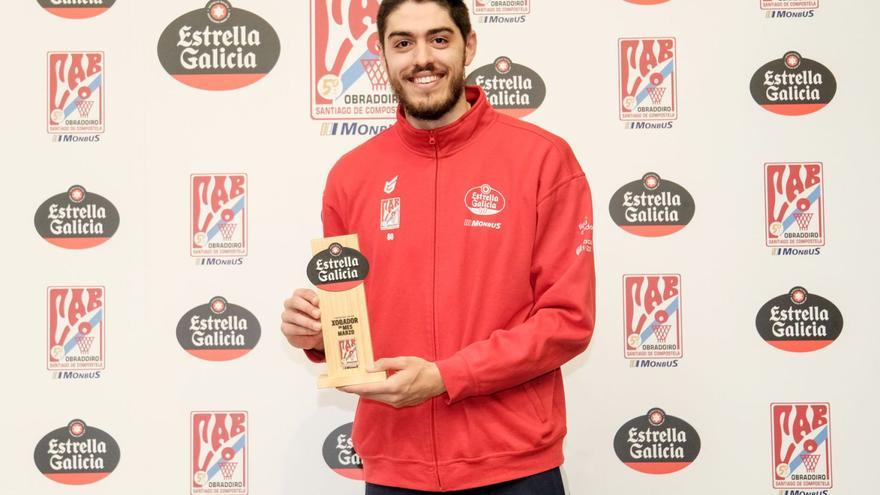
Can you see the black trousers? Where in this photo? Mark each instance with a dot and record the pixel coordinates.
(546, 483)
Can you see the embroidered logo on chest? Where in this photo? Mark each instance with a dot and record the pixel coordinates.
(484, 200)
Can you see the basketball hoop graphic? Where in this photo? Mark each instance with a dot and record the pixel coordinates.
(810, 461)
(803, 219)
(376, 73)
(84, 343)
(228, 469)
(227, 229)
(656, 94)
(661, 331)
(84, 107)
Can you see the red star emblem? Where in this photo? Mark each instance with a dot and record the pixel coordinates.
(219, 12)
(218, 306)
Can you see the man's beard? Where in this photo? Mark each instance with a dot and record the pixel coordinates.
(430, 111)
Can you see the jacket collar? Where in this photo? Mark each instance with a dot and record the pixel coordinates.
(450, 138)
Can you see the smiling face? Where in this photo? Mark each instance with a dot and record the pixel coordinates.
(425, 55)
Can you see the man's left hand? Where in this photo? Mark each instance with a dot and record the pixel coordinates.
(412, 382)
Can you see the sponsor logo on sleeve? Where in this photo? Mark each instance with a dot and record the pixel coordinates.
(511, 88)
(793, 85)
(219, 47)
(218, 226)
(77, 454)
(799, 321)
(657, 443)
(76, 9)
(801, 441)
(339, 453)
(218, 331)
(76, 219)
(76, 331)
(219, 452)
(652, 320)
(794, 207)
(648, 82)
(75, 110)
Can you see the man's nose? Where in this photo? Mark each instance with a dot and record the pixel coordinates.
(423, 55)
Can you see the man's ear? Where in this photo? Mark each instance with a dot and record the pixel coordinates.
(470, 48)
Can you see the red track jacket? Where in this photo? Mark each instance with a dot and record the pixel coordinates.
(479, 239)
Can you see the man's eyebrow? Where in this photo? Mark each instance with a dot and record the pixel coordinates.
(407, 34)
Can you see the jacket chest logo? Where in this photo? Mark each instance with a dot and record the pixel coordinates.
(484, 200)
(389, 214)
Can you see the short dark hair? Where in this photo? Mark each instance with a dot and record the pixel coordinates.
(456, 8)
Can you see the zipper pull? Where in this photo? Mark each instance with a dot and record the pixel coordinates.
(432, 141)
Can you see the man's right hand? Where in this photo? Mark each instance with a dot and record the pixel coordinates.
(301, 320)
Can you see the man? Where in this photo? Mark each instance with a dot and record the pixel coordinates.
(481, 283)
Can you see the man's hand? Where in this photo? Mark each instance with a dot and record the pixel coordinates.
(301, 320)
(414, 381)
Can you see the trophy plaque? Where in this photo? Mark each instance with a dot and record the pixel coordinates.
(338, 270)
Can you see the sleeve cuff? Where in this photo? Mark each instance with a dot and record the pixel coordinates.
(315, 356)
(457, 378)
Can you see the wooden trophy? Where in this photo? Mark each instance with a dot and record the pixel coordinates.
(338, 271)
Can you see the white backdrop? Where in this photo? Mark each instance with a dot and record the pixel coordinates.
(159, 132)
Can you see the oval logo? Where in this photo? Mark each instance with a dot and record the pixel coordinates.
(484, 200)
(657, 443)
(76, 454)
(218, 331)
(219, 47)
(76, 219)
(76, 9)
(338, 268)
(652, 207)
(793, 85)
(799, 321)
(340, 455)
(511, 88)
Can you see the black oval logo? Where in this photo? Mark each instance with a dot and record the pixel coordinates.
(76, 219)
(338, 268)
(218, 331)
(76, 9)
(657, 443)
(652, 207)
(219, 47)
(339, 453)
(511, 88)
(799, 321)
(793, 85)
(76, 454)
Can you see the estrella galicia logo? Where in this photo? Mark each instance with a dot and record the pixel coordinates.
(652, 207)
(219, 452)
(799, 321)
(219, 47)
(511, 88)
(339, 453)
(657, 443)
(484, 200)
(77, 454)
(793, 85)
(338, 268)
(76, 219)
(76, 9)
(801, 446)
(218, 331)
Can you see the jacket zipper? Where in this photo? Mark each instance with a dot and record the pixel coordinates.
(433, 142)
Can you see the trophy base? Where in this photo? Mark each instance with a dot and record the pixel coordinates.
(326, 381)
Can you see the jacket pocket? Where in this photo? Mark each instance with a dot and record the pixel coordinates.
(532, 394)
